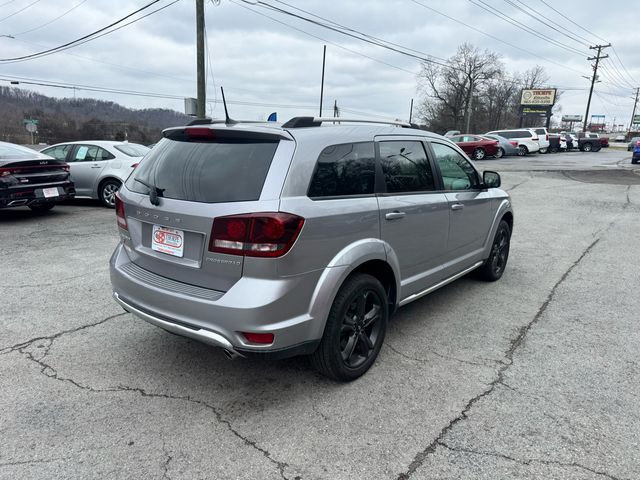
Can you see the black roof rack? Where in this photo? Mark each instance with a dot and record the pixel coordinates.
(300, 122)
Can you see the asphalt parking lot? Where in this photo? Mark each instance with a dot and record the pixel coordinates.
(535, 376)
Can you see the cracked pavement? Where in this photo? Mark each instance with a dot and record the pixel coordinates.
(535, 376)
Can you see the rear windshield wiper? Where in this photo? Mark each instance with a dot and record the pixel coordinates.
(154, 192)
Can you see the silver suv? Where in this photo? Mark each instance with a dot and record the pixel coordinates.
(302, 238)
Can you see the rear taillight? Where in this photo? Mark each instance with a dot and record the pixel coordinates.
(515, 144)
(121, 218)
(66, 167)
(547, 137)
(268, 234)
(5, 172)
(638, 143)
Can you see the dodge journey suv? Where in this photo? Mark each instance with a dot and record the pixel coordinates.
(304, 238)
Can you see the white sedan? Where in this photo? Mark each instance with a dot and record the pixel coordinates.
(98, 168)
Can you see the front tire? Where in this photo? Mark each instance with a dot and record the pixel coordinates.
(494, 266)
(479, 154)
(586, 147)
(42, 207)
(107, 192)
(522, 150)
(543, 150)
(355, 329)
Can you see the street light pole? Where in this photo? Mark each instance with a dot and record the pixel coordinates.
(200, 108)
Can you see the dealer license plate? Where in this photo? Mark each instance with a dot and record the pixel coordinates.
(167, 240)
(50, 192)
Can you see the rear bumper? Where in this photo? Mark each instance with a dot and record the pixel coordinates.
(22, 195)
(281, 306)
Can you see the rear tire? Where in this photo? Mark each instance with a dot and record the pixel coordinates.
(42, 207)
(479, 154)
(499, 153)
(355, 329)
(107, 192)
(522, 150)
(494, 266)
(587, 147)
(543, 150)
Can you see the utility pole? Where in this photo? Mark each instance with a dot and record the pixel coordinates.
(411, 111)
(469, 106)
(635, 104)
(597, 58)
(200, 109)
(324, 55)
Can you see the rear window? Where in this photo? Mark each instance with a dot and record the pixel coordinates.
(132, 149)
(211, 172)
(540, 131)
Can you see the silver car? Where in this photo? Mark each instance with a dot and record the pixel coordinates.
(98, 168)
(302, 238)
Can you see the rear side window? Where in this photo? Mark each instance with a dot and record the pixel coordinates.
(347, 169)
(132, 149)
(59, 152)
(405, 167)
(208, 172)
(540, 131)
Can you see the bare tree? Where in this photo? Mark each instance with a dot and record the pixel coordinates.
(449, 90)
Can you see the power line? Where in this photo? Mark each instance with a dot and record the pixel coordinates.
(494, 37)
(18, 11)
(50, 21)
(549, 23)
(506, 18)
(91, 36)
(323, 39)
(567, 17)
(359, 36)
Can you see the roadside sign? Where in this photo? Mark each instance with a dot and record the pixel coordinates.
(636, 119)
(31, 127)
(572, 118)
(538, 97)
(31, 121)
(535, 111)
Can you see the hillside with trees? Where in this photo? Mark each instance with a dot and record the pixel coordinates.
(68, 119)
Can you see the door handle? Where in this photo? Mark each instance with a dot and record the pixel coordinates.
(395, 215)
(96, 166)
(457, 206)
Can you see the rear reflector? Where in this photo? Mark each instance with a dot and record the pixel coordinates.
(269, 234)
(263, 338)
(200, 133)
(121, 217)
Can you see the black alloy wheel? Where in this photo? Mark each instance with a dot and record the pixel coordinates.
(355, 329)
(586, 147)
(494, 266)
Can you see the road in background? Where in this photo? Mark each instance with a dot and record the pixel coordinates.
(534, 376)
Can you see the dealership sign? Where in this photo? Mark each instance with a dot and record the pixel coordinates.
(535, 111)
(572, 118)
(538, 97)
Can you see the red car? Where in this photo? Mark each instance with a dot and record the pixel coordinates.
(475, 146)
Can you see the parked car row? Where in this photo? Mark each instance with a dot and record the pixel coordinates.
(523, 141)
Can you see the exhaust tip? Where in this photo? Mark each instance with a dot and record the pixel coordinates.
(229, 354)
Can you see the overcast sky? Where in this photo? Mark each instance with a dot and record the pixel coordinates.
(260, 61)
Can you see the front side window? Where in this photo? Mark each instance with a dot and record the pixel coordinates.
(405, 167)
(347, 169)
(457, 172)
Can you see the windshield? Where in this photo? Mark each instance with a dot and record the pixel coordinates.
(133, 149)
(209, 172)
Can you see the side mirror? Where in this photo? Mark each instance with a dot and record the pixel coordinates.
(491, 179)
